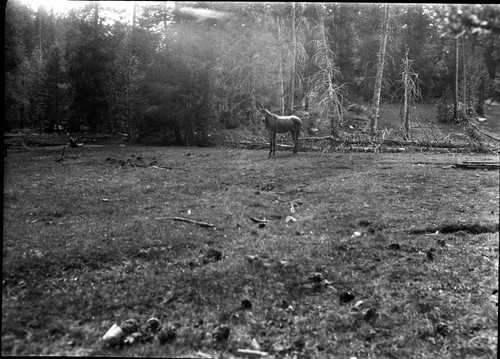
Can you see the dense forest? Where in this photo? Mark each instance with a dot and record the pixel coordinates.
(178, 71)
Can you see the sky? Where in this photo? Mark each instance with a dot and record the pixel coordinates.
(57, 5)
(60, 6)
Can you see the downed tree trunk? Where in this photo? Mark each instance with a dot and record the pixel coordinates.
(249, 144)
(478, 165)
(47, 142)
(396, 143)
(391, 146)
(399, 143)
(14, 140)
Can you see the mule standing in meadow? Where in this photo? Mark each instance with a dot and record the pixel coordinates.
(281, 124)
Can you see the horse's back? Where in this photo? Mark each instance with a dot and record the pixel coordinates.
(281, 124)
(288, 123)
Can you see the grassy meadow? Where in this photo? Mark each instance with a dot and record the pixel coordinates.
(313, 255)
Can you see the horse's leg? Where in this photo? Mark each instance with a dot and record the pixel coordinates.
(271, 143)
(295, 140)
(274, 144)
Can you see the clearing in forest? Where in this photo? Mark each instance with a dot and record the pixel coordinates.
(235, 253)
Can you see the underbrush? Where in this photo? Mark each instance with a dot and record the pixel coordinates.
(353, 134)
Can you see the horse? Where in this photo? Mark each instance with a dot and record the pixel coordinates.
(281, 124)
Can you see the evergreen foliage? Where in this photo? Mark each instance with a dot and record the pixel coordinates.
(178, 74)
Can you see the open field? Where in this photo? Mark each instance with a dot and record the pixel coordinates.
(390, 256)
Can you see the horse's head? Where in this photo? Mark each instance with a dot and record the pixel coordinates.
(267, 113)
(264, 113)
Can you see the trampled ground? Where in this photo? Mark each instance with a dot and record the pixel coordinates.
(386, 255)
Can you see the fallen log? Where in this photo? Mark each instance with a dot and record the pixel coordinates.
(402, 143)
(478, 165)
(256, 144)
(488, 135)
(360, 144)
(14, 135)
(17, 141)
(182, 219)
(390, 145)
(47, 143)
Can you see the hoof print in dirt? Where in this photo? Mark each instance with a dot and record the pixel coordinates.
(252, 258)
(245, 304)
(299, 344)
(429, 255)
(167, 334)
(211, 256)
(268, 187)
(221, 333)
(394, 246)
(364, 223)
(315, 277)
(153, 324)
(346, 297)
(441, 242)
(370, 315)
(442, 329)
(284, 304)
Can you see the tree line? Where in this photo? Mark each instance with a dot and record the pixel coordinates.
(175, 73)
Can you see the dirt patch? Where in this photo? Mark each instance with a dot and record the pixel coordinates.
(135, 161)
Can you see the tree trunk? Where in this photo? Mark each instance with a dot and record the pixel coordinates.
(455, 102)
(165, 10)
(480, 98)
(323, 59)
(406, 112)
(489, 58)
(40, 32)
(380, 70)
(57, 98)
(292, 83)
(411, 94)
(253, 120)
(464, 77)
(282, 85)
(134, 6)
(305, 102)
(96, 16)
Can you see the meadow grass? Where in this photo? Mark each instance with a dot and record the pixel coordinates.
(86, 244)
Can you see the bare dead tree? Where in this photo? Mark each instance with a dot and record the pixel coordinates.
(380, 70)
(411, 94)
